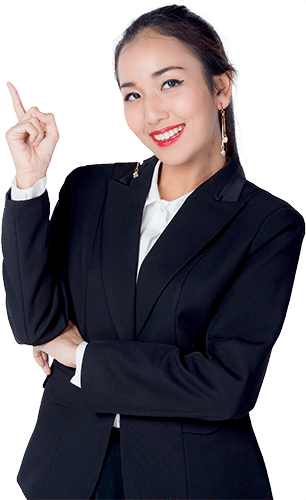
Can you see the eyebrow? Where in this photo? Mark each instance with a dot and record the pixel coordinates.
(154, 75)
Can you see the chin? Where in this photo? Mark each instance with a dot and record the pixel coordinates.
(173, 158)
(177, 154)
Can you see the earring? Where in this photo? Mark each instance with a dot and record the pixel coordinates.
(136, 171)
(224, 137)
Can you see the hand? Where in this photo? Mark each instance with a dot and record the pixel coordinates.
(62, 348)
(31, 141)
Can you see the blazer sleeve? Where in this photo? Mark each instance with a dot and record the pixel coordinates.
(35, 253)
(151, 379)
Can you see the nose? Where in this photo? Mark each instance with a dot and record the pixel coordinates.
(154, 110)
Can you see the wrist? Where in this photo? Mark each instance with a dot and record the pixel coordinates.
(26, 181)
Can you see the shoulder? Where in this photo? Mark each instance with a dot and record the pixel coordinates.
(101, 171)
(262, 205)
(90, 178)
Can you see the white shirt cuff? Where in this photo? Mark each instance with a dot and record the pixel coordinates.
(76, 379)
(27, 194)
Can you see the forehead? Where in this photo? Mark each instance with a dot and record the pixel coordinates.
(150, 52)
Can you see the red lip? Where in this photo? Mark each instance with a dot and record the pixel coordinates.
(170, 141)
(163, 130)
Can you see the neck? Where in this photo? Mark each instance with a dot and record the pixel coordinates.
(176, 181)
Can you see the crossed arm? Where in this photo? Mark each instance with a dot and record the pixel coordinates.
(140, 378)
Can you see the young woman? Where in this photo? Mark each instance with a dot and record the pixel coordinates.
(159, 289)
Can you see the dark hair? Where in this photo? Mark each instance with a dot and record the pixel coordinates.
(199, 36)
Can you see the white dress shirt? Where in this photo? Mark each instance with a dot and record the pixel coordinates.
(157, 214)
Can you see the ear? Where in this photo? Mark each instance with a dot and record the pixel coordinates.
(223, 89)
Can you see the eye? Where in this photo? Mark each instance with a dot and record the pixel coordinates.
(133, 96)
(169, 84)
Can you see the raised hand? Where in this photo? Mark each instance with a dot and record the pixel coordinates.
(31, 141)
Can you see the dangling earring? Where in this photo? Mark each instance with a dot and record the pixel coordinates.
(224, 137)
(136, 171)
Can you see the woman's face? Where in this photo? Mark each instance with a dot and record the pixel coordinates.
(167, 103)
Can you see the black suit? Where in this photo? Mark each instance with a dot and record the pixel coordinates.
(181, 356)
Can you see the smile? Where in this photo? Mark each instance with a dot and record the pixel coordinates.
(167, 136)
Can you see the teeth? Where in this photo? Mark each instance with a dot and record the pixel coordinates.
(170, 133)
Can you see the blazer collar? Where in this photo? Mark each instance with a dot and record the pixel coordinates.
(228, 182)
(218, 181)
(202, 216)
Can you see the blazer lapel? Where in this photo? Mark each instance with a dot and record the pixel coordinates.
(203, 215)
(120, 243)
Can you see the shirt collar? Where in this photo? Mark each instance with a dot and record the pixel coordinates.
(153, 194)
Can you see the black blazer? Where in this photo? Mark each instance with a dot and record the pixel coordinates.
(181, 355)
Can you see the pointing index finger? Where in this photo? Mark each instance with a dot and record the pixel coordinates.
(18, 106)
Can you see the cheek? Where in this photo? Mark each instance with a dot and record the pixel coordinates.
(192, 104)
(198, 98)
(133, 118)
